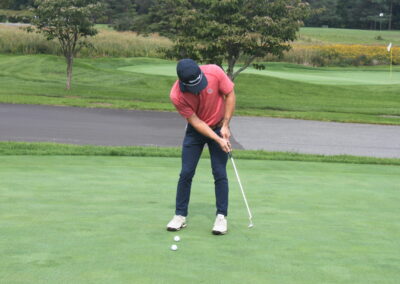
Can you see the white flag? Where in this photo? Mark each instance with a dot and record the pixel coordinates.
(389, 47)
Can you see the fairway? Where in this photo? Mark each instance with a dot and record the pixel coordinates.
(135, 83)
(102, 220)
(320, 76)
(347, 36)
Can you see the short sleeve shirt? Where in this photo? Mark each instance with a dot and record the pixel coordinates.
(209, 105)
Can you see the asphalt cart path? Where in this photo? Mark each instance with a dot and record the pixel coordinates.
(34, 123)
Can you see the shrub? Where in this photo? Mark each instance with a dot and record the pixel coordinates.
(339, 55)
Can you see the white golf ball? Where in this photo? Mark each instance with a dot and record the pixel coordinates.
(177, 238)
(174, 247)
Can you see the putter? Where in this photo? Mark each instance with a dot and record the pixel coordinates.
(251, 225)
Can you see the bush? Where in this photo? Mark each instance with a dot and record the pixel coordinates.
(339, 55)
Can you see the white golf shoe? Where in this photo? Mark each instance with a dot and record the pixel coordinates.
(220, 225)
(178, 222)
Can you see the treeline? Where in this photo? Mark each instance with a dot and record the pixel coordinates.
(120, 14)
(355, 14)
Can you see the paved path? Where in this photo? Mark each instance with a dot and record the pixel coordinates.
(123, 127)
(315, 137)
(96, 126)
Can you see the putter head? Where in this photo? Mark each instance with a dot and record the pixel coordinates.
(251, 225)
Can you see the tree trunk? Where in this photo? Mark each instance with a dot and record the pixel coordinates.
(246, 64)
(70, 60)
(231, 65)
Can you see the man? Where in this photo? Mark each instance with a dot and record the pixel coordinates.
(204, 95)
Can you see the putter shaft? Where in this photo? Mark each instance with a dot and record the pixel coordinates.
(241, 189)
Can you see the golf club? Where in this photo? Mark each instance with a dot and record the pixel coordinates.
(251, 225)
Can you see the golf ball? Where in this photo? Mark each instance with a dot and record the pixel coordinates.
(177, 238)
(174, 247)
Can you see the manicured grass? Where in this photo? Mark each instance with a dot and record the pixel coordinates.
(52, 149)
(348, 36)
(103, 27)
(102, 220)
(377, 75)
(94, 85)
(101, 83)
(8, 12)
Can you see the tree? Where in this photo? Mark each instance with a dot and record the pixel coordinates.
(325, 13)
(68, 21)
(396, 15)
(394, 11)
(15, 4)
(143, 6)
(120, 13)
(214, 31)
(355, 13)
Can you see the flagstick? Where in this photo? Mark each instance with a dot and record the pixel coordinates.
(391, 64)
(390, 50)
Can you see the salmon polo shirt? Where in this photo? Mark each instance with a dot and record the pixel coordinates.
(209, 105)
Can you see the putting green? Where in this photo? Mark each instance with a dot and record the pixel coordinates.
(320, 76)
(102, 219)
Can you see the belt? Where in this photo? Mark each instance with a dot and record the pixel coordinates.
(219, 124)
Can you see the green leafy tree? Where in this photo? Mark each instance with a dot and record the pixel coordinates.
(393, 8)
(214, 31)
(68, 21)
(143, 6)
(365, 14)
(355, 14)
(325, 13)
(120, 13)
(15, 4)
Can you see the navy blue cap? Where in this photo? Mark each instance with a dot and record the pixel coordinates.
(191, 78)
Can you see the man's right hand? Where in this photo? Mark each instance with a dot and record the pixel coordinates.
(204, 129)
(225, 145)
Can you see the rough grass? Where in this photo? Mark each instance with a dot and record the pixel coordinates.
(101, 83)
(53, 149)
(347, 36)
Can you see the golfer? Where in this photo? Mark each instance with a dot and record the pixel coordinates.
(204, 96)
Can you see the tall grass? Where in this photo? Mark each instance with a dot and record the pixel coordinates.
(338, 55)
(109, 43)
(126, 44)
(15, 40)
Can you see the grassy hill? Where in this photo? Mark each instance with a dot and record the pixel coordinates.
(348, 36)
(105, 82)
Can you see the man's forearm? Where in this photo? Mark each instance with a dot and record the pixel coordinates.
(230, 103)
(203, 128)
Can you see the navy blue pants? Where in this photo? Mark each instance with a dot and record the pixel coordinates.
(193, 145)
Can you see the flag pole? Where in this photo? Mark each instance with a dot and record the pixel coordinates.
(391, 63)
(390, 50)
